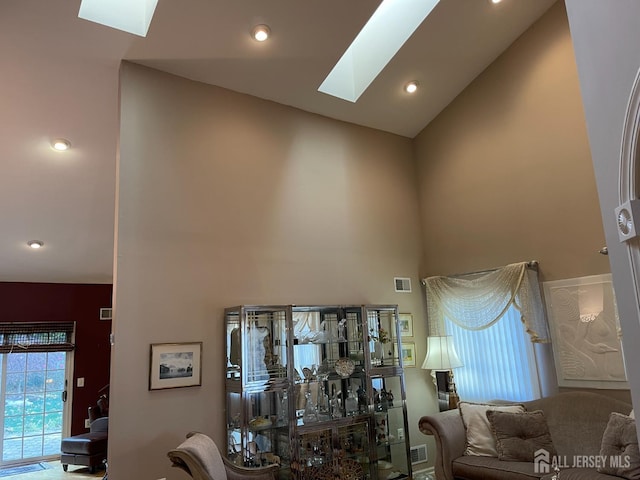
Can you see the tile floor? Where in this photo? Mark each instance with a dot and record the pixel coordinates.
(55, 472)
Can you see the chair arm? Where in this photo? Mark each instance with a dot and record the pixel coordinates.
(450, 437)
(99, 425)
(235, 472)
(178, 461)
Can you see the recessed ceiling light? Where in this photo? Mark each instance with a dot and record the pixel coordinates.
(260, 32)
(496, 1)
(61, 144)
(411, 87)
(35, 244)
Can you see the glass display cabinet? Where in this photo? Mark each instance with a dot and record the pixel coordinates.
(318, 390)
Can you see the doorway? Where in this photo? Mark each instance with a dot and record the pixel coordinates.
(35, 362)
(33, 401)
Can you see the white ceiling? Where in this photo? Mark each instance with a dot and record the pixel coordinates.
(59, 78)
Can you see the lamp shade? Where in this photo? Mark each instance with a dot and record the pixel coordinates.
(441, 354)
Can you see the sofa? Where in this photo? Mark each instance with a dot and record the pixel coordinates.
(576, 422)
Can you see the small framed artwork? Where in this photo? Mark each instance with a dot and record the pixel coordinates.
(408, 354)
(405, 323)
(174, 365)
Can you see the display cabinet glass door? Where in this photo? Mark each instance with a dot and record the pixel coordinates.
(392, 443)
(383, 337)
(257, 386)
(329, 364)
(336, 451)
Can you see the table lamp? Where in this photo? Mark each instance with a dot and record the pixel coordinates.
(442, 356)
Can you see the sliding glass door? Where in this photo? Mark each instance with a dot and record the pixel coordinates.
(32, 397)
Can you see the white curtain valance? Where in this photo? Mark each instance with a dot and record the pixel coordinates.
(477, 303)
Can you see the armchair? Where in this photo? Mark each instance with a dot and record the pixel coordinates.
(199, 456)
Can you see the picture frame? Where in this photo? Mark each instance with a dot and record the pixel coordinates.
(408, 354)
(405, 324)
(583, 321)
(175, 365)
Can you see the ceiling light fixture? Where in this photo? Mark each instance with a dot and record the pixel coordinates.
(411, 87)
(35, 244)
(61, 144)
(495, 1)
(261, 32)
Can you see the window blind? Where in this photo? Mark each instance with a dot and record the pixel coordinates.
(499, 362)
(36, 337)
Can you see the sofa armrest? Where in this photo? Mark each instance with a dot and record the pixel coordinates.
(449, 433)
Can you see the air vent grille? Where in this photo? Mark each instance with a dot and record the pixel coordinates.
(418, 454)
(403, 284)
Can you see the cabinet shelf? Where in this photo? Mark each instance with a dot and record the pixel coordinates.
(289, 364)
(391, 443)
(337, 422)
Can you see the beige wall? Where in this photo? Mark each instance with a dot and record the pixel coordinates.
(505, 171)
(226, 199)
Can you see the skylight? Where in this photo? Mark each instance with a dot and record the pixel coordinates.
(133, 16)
(384, 34)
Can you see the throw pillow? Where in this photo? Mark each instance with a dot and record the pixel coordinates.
(519, 435)
(620, 448)
(479, 439)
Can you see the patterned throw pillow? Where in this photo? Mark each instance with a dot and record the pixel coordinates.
(519, 435)
(480, 440)
(620, 447)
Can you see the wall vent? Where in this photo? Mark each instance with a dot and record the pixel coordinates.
(418, 454)
(403, 284)
(106, 314)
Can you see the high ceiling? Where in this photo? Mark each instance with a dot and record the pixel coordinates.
(60, 79)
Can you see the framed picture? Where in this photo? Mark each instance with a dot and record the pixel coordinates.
(584, 328)
(405, 322)
(174, 365)
(408, 354)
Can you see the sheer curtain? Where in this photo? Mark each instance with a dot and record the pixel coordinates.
(500, 332)
(476, 302)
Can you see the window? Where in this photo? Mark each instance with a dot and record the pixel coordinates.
(499, 361)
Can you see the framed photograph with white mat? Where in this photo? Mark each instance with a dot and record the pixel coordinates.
(175, 365)
(405, 324)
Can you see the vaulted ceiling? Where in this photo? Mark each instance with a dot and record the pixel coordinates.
(60, 79)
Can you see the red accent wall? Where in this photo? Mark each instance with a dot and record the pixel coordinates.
(41, 302)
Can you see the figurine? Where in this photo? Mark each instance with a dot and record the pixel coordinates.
(310, 410)
(341, 330)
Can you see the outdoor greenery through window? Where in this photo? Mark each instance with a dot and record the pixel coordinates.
(32, 403)
(33, 359)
